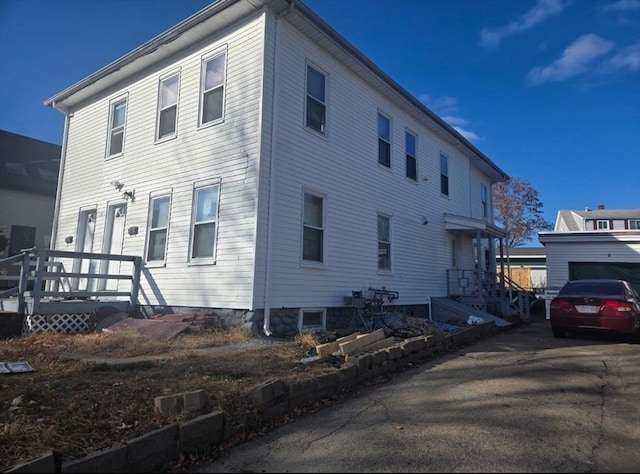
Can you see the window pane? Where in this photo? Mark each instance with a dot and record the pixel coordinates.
(383, 228)
(207, 204)
(312, 245)
(444, 166)
(212, 109)
(167, 122)
(315, 114)
(214, 74)
(203, 239)
(315, 84)
(160, 215)
(169, 92)
(411, 144)
(116, 142)
(384, 128)
(412, 171)
(312, 210)
(444, 184)
(119, 113)
(384, 256)
(312, 318)
(384, 153)
(157, 244)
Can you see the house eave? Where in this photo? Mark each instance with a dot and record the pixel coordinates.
(626, 236)
(473, 226)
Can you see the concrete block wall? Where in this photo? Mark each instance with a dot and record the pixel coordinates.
(274, 398)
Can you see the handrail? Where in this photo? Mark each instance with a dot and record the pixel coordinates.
(35, 273)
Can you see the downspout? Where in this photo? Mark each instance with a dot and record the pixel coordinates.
(274, 100)
(63, 156)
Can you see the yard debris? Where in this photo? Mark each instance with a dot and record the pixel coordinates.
(148, 327)
(15, 367)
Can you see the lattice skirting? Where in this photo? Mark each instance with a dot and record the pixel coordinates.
(64, 323)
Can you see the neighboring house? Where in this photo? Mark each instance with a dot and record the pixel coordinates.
(28, 180)
(263, 166)
(599, 243)
(528, 267)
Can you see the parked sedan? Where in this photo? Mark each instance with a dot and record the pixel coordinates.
(602, 305)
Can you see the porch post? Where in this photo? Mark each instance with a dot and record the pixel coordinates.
(480, 263)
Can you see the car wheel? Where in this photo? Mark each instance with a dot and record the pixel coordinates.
(558, 332)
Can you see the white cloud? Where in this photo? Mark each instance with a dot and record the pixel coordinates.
(542, 10)
(575, 60)
(467, 134)
(453, 120)
(446, 107)
(628, 57)
(623, 5)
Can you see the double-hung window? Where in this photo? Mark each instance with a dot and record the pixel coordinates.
(117, 122)
(384, 243)
(205, 220)
(316, 114)
(410, 151)
(212, 88)
(484, 199)
(602, 225)
(158, 229)
(167, 106)
(634, 224)
(384, 140)
(313, 228)
(444, 175)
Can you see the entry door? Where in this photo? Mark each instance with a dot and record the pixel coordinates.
(113, 239)
(84, 243)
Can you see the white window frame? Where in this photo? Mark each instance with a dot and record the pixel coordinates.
(409, 156)
(113, 104)
(323, 261)
(634, 224)
(150, 229)
(197, 187)
(380, 138)
(203, 76)
(602, 224)
(162, 108)
(308, 328)
(387, 242)
(308, 97)
(444, 175)
(484, 198)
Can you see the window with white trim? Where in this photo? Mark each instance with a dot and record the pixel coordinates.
(410, 151)
(634, 224)
(384, 242)
(158, 228)
(313, 228)
(602, 225)
(117, 122)
(444, 175)
(484, 199)
(316, 107)
(384, 140)
(205, 220)
(212, 88)
(312, 318)
(167, 107)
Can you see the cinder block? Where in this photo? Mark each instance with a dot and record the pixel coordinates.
(150, 452)
(327, 385)
(193, 401)
(271, 392)
(169, 405)
(113, 459)
(347, 377)
(45, 463)
(301, 393)
(205, 429)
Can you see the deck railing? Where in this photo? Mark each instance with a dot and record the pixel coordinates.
(44, 274)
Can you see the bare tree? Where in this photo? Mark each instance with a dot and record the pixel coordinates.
(519, 210)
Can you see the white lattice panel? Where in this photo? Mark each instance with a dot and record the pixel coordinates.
(64, 323)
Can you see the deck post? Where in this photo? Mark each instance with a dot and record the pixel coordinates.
(135, 284)
(24, 279)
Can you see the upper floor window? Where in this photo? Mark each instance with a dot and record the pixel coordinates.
(158, 229)
(444, 175)
(484, 199)
(212, 95)
(168, 106)
(205, 219)
(602, 225)
(384, 243)
(117, 122)
(313, 228)
(634, 224)
(410, 150)
(384, 140)
(316, 105)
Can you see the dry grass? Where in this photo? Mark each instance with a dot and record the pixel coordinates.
(77, 406)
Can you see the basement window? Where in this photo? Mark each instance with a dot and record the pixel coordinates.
(312, 318)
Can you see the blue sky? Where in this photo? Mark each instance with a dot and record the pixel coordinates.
(548, 89)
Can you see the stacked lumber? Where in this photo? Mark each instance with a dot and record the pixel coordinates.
(354, 343)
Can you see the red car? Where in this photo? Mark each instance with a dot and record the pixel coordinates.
(603, 305)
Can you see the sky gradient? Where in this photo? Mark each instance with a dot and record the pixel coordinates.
(548, 89)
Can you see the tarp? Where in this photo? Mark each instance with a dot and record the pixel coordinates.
(606, 270)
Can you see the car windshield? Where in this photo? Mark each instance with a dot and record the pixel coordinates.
(593, 288)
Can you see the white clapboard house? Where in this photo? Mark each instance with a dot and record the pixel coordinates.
(260, 167)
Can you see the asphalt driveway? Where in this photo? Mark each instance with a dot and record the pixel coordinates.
(520, 401)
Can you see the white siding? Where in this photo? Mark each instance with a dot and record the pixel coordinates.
(227, 151)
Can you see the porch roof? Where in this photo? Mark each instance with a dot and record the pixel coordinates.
(472, 226)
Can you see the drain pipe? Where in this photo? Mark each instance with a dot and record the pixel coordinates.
(63, 156)
(274, 98)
